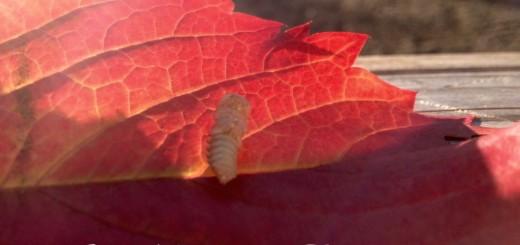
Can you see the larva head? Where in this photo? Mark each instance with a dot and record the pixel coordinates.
(236, 103)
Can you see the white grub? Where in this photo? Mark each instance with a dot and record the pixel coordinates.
(226, 136)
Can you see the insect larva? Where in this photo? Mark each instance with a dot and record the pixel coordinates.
(226, 135)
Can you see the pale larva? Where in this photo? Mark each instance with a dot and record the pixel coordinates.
(226, 135)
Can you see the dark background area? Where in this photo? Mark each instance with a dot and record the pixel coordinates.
(405, 26)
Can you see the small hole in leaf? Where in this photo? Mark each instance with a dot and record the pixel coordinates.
(457, 139)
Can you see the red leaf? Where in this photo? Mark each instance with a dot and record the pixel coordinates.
(101, 100)
(154, 92)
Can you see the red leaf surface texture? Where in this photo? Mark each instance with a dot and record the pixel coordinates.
(106, 107)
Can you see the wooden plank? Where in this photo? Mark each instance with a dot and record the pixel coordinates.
(429, 63)
(457, 84)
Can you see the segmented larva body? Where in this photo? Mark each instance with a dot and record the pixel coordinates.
(226, 135)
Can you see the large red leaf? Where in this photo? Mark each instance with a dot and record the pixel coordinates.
(100, 100)
(451, 194)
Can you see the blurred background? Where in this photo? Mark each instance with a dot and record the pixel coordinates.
(405, 26)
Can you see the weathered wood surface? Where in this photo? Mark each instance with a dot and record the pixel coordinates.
(486, 85)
